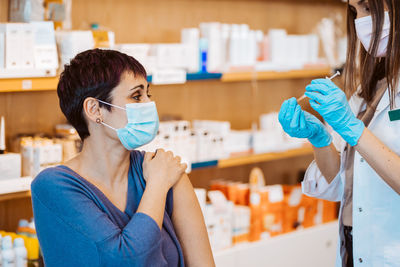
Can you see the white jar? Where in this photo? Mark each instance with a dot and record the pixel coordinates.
(21, 253)
(7, 252)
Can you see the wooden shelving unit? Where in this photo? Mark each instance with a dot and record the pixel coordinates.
(15, 188)
(16, 195)
(215, 98)
(28, 84)
(224, 163)
(50, 83)
(256, 158)
(275, 75)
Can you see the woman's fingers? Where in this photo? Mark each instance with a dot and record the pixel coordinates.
(183, 167)
(317, 97)
(296, 117)
(292, 103)
(320, 88)
(302, 121)
(283, 110)
(325, 82)
(148, 156)
(316, 106)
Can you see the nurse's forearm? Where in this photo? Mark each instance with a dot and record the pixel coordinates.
(328, 161)
(385, 162)
(153, 203)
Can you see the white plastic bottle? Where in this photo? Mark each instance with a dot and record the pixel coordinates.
(21, 253)
(7, 252)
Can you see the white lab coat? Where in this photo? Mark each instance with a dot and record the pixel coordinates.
(376, 206)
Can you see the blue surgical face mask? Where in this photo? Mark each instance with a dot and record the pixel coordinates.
(142, 126)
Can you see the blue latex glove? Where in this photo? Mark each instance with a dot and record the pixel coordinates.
(331, 102)
(301, 124)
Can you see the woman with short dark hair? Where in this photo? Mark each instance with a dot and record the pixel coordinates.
(112, 205)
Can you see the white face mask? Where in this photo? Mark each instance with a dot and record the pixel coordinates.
(364, 28)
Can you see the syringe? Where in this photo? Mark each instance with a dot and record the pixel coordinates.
(330, 78)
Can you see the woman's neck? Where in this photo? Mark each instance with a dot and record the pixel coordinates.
(104, 161)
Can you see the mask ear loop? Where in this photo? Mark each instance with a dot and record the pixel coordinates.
(98, 120)
(105, 124)
(115, 106)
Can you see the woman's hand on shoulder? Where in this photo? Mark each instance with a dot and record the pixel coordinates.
(162, 169)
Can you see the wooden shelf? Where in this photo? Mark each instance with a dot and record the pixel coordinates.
(28, 84)
(50, 83)
(256, 158)
(16, 195)
(276, 75)
(15, 188)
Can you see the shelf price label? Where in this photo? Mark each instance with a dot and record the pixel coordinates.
(26, 84)
(169, 76)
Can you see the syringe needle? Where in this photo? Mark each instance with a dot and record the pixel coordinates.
(330, 78)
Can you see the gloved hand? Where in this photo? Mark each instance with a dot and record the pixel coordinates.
(301, 124)
(331, 102)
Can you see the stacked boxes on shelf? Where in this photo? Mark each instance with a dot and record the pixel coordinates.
(218, 47)
(39, 152)
(27, 49)
(238, 213)
(206, 140)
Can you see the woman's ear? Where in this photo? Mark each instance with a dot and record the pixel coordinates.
(92, 110)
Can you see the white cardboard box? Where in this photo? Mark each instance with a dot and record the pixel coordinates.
(2, 50)
(45, 47)
(27, 38)
(12, 35)
(171, 56)
(10, 166)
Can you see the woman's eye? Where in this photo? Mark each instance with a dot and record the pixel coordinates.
(137, 97)
(149, 96)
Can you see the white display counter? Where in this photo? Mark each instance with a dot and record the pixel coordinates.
(312, 247)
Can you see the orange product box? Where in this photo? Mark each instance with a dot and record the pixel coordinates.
(241, 238)
(255, 217)
(219, 185)
(243, 194)
(330, 211)
(271, 213)
(290, 219)
(311, 209)
(232, 192)
(293, 212)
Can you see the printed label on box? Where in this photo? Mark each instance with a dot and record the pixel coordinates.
(169, 76)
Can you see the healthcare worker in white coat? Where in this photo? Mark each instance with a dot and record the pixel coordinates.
(363, 172)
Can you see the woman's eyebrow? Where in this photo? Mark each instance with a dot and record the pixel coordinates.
(141, 86)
